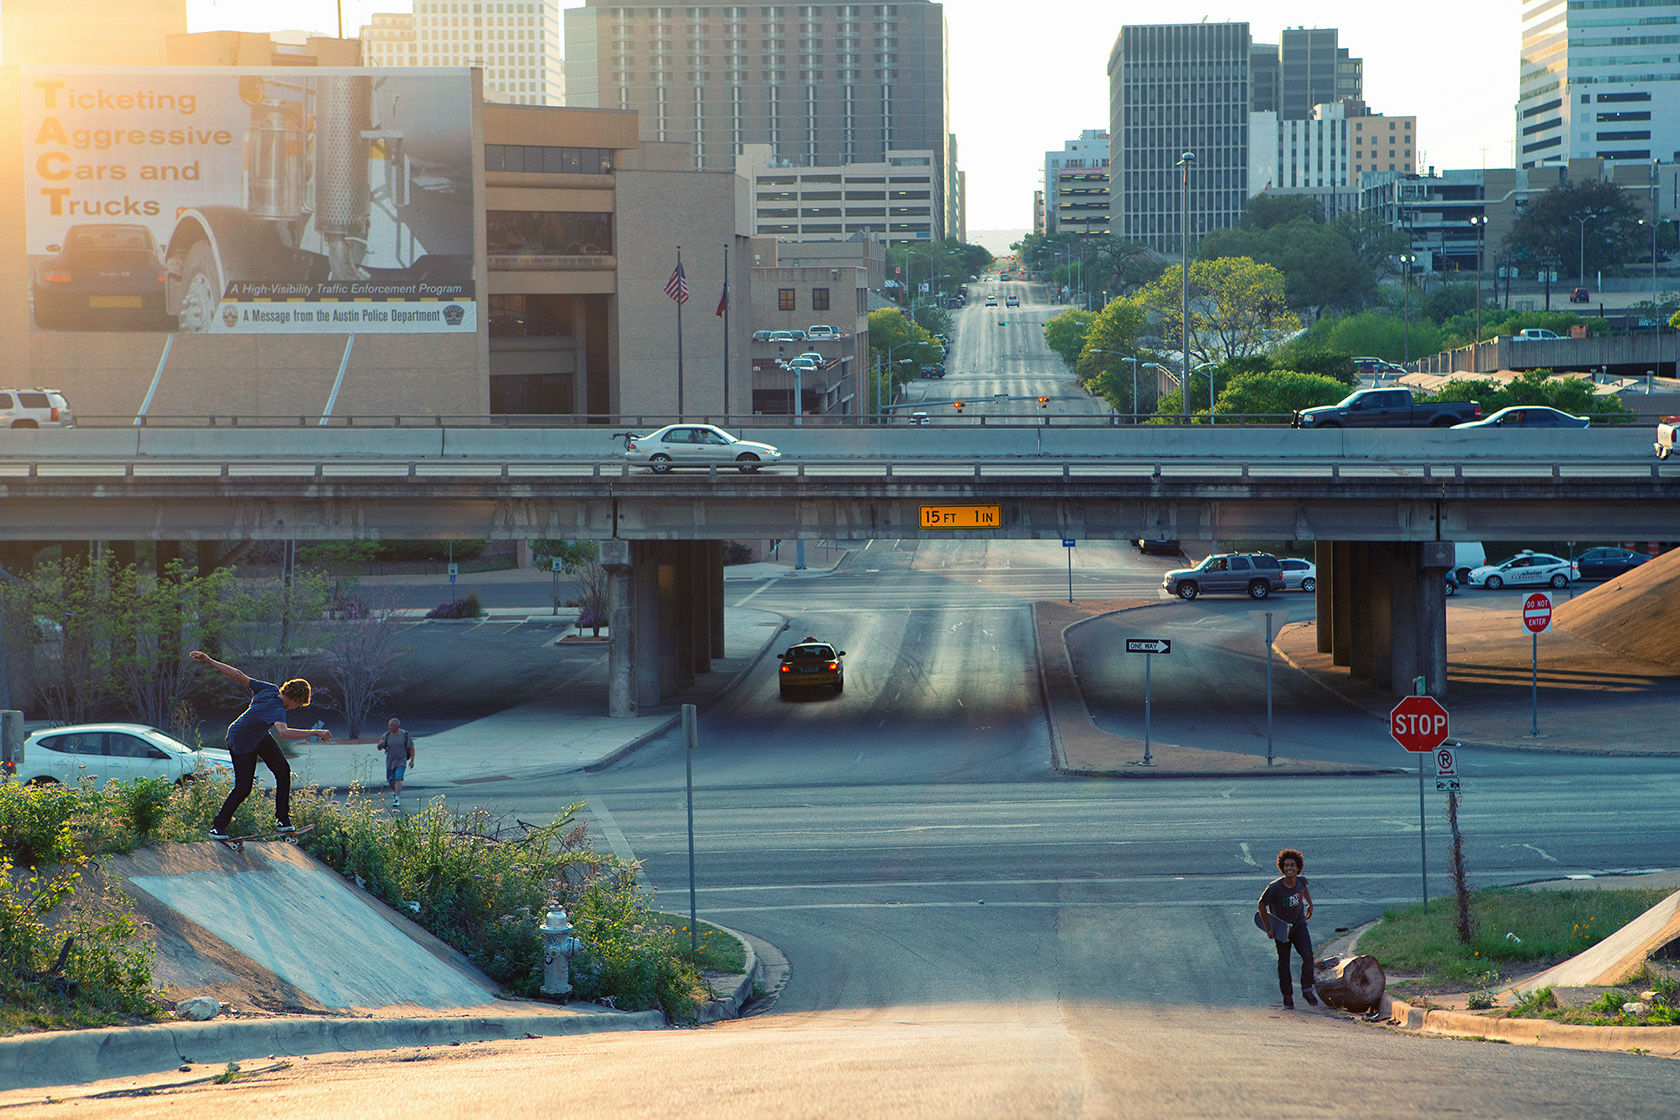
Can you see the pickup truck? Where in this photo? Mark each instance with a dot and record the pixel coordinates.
(1386, 408)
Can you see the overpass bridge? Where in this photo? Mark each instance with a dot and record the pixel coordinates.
(1381, 506)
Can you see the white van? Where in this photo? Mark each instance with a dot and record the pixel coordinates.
(1467, 555)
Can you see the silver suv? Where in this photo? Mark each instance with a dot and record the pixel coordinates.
(1255, 574)
(35, 408)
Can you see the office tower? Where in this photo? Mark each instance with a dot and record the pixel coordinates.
(1076, 185)
(89, 32)
(825, 83)
(515, 42)
(1176, 89)
(1598, 81)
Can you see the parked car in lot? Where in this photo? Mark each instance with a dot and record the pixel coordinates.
(1537, 334)
(1370, 367)
(1527, 568)
(1579, 295)
(107, 751)
(1608, 563)
(1298, 575)
(696, 445)
(35, 408)
(787, 336)
(1255, 574)
(1666, 433)
(763, 336)
(821, 332)
(811, 664)
(1527, 416)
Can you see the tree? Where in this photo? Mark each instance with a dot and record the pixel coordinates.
(893, 340)
(1271, 393)
(156, 620)
(1237, 306)
(1596, 217)
(359, 659)
(1318, 263)
(1534, 386)
(1065, 333)
(1266, 210)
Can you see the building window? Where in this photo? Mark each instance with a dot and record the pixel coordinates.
(534, 233)
(819, 299)
(784, 300)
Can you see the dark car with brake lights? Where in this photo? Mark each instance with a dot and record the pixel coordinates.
(811, 664)
(105, 274)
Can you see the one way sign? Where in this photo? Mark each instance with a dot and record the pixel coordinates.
(1148, 645)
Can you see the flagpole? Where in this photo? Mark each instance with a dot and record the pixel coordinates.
(725, 334)
(680, 303)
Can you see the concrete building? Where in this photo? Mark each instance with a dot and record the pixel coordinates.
(1307, 67)
(1174, 89)
(895, 199)
(515, 42)
(1332, 148)
(824, 84)
(88, 32)
(567, 224)
(261, 48)
(1076, 196)
(1597, 81)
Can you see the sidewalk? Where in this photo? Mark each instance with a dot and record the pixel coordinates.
(551, 735)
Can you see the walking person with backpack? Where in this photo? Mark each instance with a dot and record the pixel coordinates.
(398, 746)
(1284, 909)
(251, 737)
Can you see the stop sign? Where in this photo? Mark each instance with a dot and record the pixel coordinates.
(1418, 723)
(1537, 613)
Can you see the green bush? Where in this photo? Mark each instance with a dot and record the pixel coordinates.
(36, 823)
(631, 956)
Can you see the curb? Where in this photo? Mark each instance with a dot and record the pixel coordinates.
(78, 1057)
(737, 989)
(1660, 1041)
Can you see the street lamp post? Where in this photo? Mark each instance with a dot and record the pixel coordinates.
(1184, 162)
(1480, 223)
(880, 405)
(1406, 262)
(1124, 358)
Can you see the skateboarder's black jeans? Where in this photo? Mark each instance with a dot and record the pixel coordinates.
(245, 769)
(1301, 941)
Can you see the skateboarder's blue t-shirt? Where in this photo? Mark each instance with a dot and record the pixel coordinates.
(266, 708)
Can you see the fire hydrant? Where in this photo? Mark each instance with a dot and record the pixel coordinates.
(559, 947)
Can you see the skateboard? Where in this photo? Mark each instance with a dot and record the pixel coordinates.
(237, 843)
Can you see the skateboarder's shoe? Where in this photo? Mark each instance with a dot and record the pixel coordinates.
(1310, 996)
(217, 834)
(286, 830)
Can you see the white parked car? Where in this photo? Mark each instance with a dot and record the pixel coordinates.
(696, 445)
(1667, 431)
(1298, 575)
(1525, 569)
(821, 332)
(107, 751)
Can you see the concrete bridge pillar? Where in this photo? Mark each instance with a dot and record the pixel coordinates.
(1382, 611)
(621, 628)
(1341, 615)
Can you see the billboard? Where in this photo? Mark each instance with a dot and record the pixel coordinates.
(239, 201)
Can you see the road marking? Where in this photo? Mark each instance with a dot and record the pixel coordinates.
(756, 594)
(1541, 852)
(609, 827)
(1248, 856)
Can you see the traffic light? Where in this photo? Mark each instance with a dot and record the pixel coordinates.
(1043, 402)
(957, 405)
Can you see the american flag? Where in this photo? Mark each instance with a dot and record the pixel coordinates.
(677, 286)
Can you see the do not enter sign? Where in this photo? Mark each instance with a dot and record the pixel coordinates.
(1537, 613)
(1418, 723)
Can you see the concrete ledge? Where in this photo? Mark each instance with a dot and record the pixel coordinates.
(1661, 1041)
(72, 1057)
(731, 993)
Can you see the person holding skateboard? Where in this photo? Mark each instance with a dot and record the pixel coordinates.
(1284, 908)
(250, 737)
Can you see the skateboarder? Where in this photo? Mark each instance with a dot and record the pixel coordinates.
(398, 746)
(251, 737)
(1285, 906)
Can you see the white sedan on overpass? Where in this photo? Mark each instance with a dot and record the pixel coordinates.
(696, 445)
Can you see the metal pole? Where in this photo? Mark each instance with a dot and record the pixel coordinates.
(1069, 552)
(1268, 688)
(1423, 844)
(690, 741)
(1147, 658)
(1534, 682)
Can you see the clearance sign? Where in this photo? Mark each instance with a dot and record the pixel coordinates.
(273, 201)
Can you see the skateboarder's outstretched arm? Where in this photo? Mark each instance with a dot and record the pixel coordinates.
(236, 675)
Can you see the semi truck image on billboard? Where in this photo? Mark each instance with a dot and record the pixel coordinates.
(226, 201)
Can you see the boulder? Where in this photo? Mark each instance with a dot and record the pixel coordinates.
(198, 1008)
(1351, 983)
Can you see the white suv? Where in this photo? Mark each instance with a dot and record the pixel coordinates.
(35, 408)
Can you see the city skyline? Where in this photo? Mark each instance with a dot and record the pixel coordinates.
(1021, 89)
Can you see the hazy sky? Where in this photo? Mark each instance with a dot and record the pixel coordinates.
(1027, 76)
